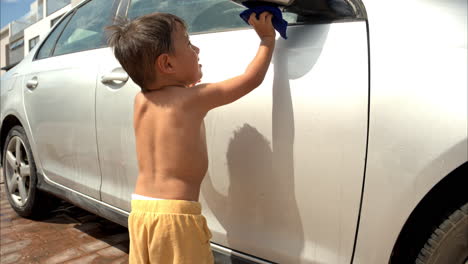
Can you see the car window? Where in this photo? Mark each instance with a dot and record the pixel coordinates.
(200, 15)
(46, 49)
(86, 29)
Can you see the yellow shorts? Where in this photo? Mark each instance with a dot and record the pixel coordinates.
(167, 232)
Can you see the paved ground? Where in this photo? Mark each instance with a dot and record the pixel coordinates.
(69, 235)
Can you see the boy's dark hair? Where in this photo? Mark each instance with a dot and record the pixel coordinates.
(138, 43)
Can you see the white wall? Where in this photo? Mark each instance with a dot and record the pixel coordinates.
(4, 40)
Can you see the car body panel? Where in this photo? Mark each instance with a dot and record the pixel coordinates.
(61, 114)
(287, 160)
(116, 138)
(418, 115)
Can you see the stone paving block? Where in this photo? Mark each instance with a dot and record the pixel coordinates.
(57, 246)
(13, 247)
(11, 216)
(87, 227)
(61, 221)
(102, 260)
(22, 221)
(5, 231)
(64, 256)
(111, 252)
(117, 238)
(122, 260)
(5, 224)
(124, 246)
(6, 240)
(84, 238)
(83, 260)
(34, 253)
(88, 218)
(6, 210)
(14, 236)
(11, 258)
(7, 215)
(94, 246)
(32, 228)
(49, 236)
(72, 219)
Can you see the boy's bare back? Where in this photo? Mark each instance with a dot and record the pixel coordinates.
(171, 145)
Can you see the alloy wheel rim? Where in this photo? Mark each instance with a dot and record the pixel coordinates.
(17, 171)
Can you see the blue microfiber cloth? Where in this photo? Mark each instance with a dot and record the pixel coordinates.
(259, 7)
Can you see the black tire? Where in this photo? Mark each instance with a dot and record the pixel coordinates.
(449, 242)
(38, 204)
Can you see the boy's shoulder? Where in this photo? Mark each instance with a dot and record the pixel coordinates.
(139, 98)
(140, 101)
(173, 96)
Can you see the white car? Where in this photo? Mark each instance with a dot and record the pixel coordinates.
(353, 150)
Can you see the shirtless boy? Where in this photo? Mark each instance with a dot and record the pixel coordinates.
(165, 224)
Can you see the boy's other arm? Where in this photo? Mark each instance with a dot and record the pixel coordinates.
(211, 95)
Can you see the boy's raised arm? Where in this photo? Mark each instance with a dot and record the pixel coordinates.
(211, 95)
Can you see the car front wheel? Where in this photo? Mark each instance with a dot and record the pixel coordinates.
(19, 171)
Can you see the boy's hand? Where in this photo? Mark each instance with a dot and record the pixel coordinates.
(263, 25)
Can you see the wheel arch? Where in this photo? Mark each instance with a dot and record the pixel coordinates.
(445, 197)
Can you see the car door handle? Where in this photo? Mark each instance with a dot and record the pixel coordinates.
(31, 84)
(117, 75)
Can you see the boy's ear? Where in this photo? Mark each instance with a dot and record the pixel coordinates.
(164, 63)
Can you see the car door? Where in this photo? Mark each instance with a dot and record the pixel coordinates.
(116, 139)
(60, 87)
(287, 160)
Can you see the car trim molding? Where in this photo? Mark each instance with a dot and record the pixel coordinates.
(88, 203)
(236, 254)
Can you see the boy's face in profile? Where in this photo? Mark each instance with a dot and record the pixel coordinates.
(188, 70)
